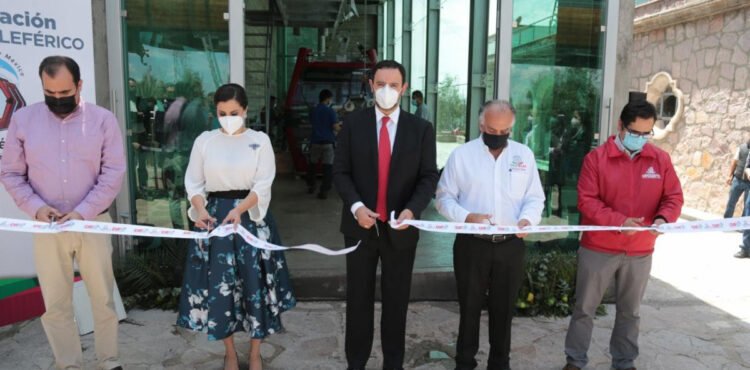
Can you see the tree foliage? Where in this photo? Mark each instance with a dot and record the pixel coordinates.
(451, 109)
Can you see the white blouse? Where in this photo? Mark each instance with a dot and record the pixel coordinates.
(222, 162)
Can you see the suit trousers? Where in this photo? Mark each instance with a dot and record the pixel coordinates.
(53, 258)
(486, 272)
(595, 272)
(396, 264)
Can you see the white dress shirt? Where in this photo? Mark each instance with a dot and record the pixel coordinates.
(507, 188)
(222, 162)
(391, 127)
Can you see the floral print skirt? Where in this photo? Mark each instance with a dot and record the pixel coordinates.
(231, 286)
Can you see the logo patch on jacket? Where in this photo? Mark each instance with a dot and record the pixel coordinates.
(517, 164)
(254, 146)
(651, 174)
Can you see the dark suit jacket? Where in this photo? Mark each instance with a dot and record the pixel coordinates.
(412, 178)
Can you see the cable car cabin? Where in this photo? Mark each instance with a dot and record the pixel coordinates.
(347, 81)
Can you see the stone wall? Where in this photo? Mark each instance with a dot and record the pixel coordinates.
(654, 7)
(708, 57)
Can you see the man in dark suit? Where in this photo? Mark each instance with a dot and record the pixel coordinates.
(384, 162)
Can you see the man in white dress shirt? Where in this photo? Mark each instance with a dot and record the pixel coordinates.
(489, 180)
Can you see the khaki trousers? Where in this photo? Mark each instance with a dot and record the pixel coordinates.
(53, 257)
(595, 272)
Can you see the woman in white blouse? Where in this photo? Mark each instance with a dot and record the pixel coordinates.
(229, 285)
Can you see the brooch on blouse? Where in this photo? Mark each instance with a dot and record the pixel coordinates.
(254, 146)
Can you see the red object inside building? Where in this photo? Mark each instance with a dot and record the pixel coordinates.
(10, 101)
(346, 80)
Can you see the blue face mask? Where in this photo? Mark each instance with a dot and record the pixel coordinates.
(634, 142)
(413, 103)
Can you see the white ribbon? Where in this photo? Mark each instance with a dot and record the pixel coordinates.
(725, 224)
(8, 224)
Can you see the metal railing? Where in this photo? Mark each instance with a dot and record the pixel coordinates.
(538, 30)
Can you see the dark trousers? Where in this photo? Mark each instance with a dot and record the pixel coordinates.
(486, 272)
(395, 284)
(322, 153)
(325, 186)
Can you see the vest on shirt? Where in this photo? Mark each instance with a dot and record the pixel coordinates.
(739, 172)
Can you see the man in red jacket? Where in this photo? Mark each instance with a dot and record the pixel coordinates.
(630, 183)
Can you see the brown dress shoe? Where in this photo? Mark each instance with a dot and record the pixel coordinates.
(571, 367)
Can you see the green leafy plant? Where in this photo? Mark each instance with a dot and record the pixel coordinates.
(548, 288)
(151, 277)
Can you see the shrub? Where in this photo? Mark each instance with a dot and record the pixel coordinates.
(548, 287)
(151, 276)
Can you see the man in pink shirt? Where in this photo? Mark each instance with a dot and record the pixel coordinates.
(64, 160)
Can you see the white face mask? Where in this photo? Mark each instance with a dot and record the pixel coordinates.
(386, 97)
(231, 124)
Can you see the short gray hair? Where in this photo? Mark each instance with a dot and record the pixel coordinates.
(498, 105)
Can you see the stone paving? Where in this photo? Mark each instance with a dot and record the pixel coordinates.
(696, 315)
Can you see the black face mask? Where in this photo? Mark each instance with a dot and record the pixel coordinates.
(495, 142)
(63, 105)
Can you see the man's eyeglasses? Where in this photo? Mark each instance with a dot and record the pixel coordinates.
(647, 135)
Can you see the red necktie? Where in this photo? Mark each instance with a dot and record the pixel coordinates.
(384, 164)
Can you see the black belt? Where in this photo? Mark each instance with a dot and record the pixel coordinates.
(496, 238)
(229, 194)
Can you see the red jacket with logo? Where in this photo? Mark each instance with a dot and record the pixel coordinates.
(612, 187)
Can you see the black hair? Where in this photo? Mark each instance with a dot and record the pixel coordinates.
(418, 94)
(51, 64)
(637, 108)
(324, 95)
(228, 92)
(389, 64)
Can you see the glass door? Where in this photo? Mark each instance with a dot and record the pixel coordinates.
(176, 55)
(556, 87)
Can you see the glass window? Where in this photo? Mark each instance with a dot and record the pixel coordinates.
(667, 106)
(386, 36)
(177, 55)
(556, 81)
(418, 46)
(303, 37)
(491, 53)
(453, 65)
(399, 30)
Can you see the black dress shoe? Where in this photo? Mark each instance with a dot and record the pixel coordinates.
(117, 368)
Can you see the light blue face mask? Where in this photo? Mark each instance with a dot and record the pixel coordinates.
(413, 103)
(634, 142)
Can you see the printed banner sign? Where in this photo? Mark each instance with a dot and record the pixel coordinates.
(31, 30)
